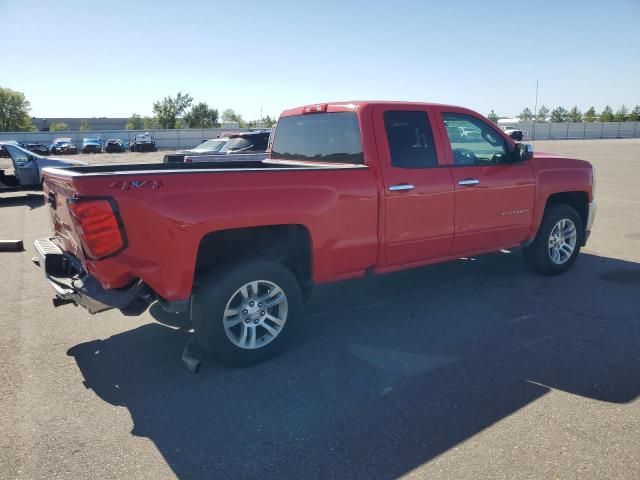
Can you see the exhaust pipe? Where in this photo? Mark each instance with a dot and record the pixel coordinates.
(59, 301)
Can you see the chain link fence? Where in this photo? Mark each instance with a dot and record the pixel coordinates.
(579, 131)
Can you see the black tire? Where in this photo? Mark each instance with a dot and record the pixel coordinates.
(537, 255)
(218, 288)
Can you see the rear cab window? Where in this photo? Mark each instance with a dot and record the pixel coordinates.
(410, 139)
(321, 137)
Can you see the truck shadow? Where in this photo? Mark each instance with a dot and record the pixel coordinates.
(389, 372)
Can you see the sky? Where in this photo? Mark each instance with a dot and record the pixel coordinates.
(111, 59)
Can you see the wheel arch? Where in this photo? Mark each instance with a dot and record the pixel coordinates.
(579, 200)
(289, 244)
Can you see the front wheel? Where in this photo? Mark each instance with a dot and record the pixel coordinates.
(558, 241)
(246, 312)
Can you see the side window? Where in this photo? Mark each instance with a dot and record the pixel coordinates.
(473, 142)
(16, 154)
(410, 139)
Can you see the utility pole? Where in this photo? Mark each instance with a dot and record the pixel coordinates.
(535, 114)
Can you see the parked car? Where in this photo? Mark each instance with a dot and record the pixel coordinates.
(349, 190)
(214, 146)
(5, 153)
(39, 148)
(143, 142)
(26, 171)
(63, 146)
(241, 146)
(114, 145)
(91, 145)
(470, 134)
(513, 132)
(248, 142)
(454, 132)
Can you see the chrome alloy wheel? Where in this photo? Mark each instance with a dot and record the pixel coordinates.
(255, 314)
(562, 241)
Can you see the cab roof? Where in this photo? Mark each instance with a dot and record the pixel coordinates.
(354, 105)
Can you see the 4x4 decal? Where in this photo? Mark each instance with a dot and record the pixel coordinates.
(129, 184)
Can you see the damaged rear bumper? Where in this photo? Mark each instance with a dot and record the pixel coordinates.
(74, 285)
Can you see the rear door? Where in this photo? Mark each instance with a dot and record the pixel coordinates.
(418, 187)
(493, 197)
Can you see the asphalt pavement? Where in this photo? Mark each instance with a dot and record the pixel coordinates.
(472, 369)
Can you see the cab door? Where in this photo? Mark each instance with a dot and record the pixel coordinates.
(418, 188)
(25, 166)
(494, 196)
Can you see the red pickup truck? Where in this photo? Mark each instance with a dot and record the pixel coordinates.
(348, 189)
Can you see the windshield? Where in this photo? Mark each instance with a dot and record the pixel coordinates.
(325, 137)
(91, 140)
(211, 145)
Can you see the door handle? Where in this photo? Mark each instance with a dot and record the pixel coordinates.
(403, 187)
(468, 181)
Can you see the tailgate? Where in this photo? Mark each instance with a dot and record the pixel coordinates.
(57, 191)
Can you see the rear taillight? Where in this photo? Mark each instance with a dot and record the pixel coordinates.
(99, 227)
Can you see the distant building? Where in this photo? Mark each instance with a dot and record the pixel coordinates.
(102, 123)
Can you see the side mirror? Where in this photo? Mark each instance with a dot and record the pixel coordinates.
(523, 152)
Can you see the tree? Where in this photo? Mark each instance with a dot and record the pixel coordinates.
(607, 114)
(622, 114)
(268, 121)
(135, 122)
(493, 116)
(559, 115)
(230, 116)
(574, 115)
(542, 114)
(84, 126)
(14, 111)
(149, 123)
(590, 115)
(202, 116)
(58, 127)
(169, 109)
(526, 115)
(634, 116)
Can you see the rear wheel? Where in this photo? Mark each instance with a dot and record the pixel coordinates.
(246, 312)
(558, 241)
